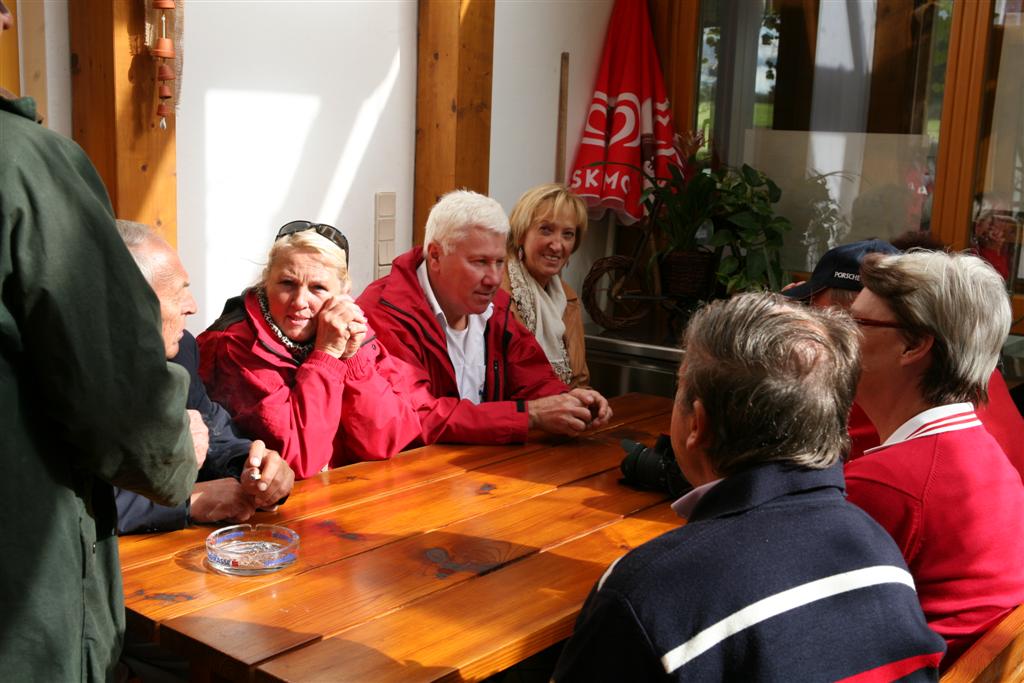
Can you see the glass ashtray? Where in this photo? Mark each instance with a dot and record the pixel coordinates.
(249, 550)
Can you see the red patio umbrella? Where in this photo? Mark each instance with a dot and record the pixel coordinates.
(628, 121)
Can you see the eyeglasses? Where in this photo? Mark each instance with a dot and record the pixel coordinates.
(322, 229)
(868, 322)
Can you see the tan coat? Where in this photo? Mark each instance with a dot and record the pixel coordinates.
(575, 345)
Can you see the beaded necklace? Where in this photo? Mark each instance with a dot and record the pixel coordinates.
(299, 351)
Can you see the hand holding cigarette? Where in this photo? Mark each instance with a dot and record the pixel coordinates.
(267, 478)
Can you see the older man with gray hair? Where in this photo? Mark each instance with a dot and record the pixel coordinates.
(238, 475)
(775, 576)
(441, 310)
(932, 326)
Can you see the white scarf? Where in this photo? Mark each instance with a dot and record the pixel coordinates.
(541, 309)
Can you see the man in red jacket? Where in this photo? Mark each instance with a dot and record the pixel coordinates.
(442, 311)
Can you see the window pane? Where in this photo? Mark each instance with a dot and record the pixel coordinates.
(838, 102)
(996, 228)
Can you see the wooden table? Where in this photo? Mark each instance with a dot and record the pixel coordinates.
(445, 562)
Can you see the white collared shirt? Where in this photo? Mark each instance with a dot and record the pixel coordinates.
(685, 505)
(466, 347)
(947, 418)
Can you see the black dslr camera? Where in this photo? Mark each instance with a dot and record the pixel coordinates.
(653, 469)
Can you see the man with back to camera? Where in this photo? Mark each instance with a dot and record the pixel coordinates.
(836, 282)
(88, 400)
(932, 326)
(442, 311)
(228, 488)
(775, 576)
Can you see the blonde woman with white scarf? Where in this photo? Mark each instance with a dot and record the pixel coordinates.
(547, 226)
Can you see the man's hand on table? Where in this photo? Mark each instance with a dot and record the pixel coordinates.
(600, 411)
(267, 478)
(220, 500)
(559, 414)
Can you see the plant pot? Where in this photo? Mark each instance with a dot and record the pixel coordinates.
(688, 274)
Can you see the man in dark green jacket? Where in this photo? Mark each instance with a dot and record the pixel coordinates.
(87, 399)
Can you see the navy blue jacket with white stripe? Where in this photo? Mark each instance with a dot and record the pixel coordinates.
(775, 577)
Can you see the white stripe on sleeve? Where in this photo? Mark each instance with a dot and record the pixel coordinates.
(782, 602)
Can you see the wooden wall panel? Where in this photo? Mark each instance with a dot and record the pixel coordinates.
(453, 101)
(961, 121)
(10, 68)
(32, 27)
(676, 28)
(114, 112)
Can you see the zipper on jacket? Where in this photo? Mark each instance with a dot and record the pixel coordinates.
(497, 383)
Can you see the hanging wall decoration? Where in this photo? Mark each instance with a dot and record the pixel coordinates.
(163, 37)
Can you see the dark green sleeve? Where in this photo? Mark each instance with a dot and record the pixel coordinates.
(88, 324)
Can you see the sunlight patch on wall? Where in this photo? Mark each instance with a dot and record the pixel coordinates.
(358, 141)
(254, 144)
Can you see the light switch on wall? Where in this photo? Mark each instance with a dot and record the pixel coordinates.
(385, 203)
(384, 229)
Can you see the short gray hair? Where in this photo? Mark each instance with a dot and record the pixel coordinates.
(136, 237)
(456, 213)
(958, 299)
(776, 380)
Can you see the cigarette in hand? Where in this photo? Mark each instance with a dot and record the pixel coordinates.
(255, 475)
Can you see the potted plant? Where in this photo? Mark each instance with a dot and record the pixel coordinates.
(704, 226)
(728, 210)
(748, 233)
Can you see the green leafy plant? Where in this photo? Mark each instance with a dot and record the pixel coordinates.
(748, 233)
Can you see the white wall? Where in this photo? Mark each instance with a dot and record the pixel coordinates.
(529, 38)
(290, 110)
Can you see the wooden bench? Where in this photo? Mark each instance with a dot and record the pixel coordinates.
(996, 656)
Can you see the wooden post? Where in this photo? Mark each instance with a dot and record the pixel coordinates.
(10, 71)
(453, 101)
(675, 25)
(563, 115)
(961, 121)
(113, 112)
(32, 27)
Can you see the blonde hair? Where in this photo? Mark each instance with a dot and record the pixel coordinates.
(541, 201)
(307, 240)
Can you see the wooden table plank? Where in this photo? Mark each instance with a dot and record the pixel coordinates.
(334, 598)
(480, 626)
(357, 483)
(164, 590)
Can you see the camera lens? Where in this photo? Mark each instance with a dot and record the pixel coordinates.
(653, 469)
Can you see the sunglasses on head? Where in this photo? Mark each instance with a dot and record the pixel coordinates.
(322, 229)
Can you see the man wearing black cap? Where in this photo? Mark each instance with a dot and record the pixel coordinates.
(836, 279)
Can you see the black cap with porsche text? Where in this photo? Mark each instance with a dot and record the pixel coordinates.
(839, 268)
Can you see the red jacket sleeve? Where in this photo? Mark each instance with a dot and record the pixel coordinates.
(378, 415)
(448, 419)
(331, 412)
